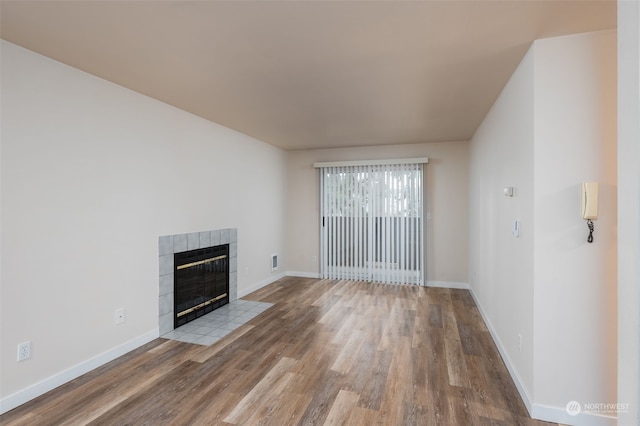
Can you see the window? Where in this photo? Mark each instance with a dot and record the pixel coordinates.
(371, 222)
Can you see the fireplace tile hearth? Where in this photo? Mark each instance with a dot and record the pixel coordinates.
(215, 325)
(168, 245)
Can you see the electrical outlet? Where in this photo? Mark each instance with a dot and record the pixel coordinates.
(519, 342)
(24, 351)
(314, 259)
(119, 317)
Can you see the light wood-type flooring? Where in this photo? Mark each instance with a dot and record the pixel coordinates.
(327, 353)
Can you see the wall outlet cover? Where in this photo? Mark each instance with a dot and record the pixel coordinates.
(24, 351)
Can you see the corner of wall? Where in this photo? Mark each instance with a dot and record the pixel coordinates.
(501, 263)
(628, 389)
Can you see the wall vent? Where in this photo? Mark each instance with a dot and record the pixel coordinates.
(274, 262)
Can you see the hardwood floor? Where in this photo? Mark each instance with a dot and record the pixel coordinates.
(328, 352)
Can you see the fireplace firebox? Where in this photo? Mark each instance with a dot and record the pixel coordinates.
(201, 282)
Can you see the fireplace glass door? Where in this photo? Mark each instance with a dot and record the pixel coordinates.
(201, 280)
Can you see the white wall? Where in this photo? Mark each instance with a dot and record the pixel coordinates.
(552, 128)
(92, 174)
(501, 265)
(575, 283)
(446, 198)
(629, 211)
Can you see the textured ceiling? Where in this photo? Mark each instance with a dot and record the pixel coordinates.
(307, 74)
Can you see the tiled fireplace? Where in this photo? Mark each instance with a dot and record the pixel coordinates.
(168, 245)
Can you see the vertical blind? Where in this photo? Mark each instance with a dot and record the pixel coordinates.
(372, 226)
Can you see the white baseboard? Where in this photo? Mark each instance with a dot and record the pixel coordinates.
(448, 284)
(505, 357)
(538, 411)
(303, 274)
(259, 285)
(14, 400)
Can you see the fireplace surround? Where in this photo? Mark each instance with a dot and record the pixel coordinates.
(169, 245)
